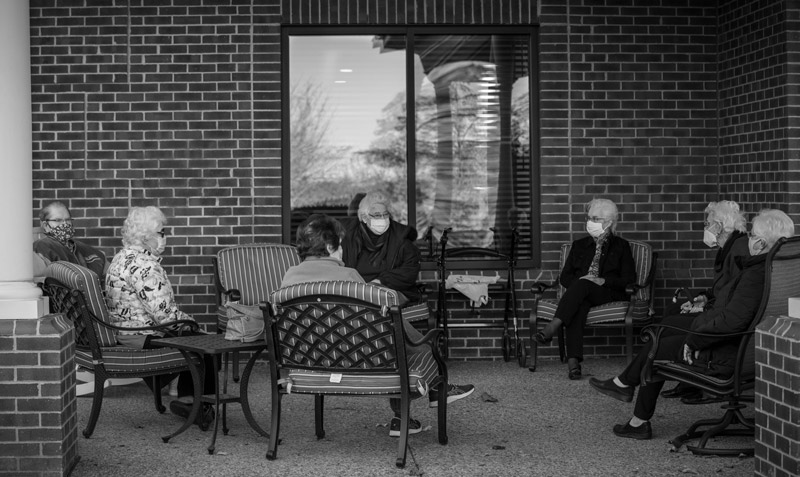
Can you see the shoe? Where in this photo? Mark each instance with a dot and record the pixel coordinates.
(700, 398)
(541, 338)
(608, 388)
(574, 373)
(414, 427)
(643, 432)
(454, 393)
(682, 390)
(183, 409)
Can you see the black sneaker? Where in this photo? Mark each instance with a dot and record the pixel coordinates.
(454, 393)
(643, 432)
(414, 427)
(183, 409)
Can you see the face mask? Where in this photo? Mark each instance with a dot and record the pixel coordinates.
(709, 238)
(63, 233)
(379, 226)
(337, 254)
(161, 245)
(595, 229)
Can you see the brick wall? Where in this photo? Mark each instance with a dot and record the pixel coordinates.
(777, 402)
(177, 104)
(38, 410)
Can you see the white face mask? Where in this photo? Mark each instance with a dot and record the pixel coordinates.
(709, 238)
(595, 229)
(161, 245)
(379, 226)
(337, 254)
(756, 246)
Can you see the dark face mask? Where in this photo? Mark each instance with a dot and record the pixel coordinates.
(63, 232)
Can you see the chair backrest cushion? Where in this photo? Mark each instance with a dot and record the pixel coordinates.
(642, 258)
(84, 280)
(368, 292)
(256, 270)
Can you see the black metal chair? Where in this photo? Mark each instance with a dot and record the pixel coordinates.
(781, 282)
(352, 331)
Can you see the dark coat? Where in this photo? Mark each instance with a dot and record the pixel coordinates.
(84, 255)
(398, 265)
(616, 264)
(732, 313)
(725, 267)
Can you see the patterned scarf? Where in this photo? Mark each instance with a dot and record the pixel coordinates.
(594, 268)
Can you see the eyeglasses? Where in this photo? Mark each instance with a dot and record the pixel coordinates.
(163, 233)
(384, 215)
(595, 219)
(60, 221)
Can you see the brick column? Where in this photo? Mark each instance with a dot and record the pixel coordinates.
(38, 408)
(777, 397)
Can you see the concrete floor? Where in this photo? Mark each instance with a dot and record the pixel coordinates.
(542, 424)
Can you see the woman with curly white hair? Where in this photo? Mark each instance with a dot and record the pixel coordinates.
(139, 293)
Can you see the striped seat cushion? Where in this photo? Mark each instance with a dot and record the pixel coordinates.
(414, 313)
(80, 278)
(615, 311)
(368, 292)
(422, 371)
(256, 270)
(118, 359)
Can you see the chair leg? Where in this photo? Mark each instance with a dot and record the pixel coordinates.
(402, 444)
(533, 323)
(275, 425)
(235, 366)
(319, 415)
(97, 404)
(441, 418)
(718, 427)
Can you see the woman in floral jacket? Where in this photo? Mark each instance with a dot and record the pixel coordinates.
(139, 293)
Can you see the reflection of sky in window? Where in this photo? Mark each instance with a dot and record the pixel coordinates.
(356, 98)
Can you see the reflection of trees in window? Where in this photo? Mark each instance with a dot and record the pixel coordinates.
(472, 158)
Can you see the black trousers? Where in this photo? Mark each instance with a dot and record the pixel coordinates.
(670, 347)
(573, 308)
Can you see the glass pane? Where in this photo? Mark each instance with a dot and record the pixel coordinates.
(347, 112)
(473, 164)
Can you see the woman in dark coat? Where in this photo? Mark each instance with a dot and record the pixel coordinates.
(381, 249)
(731, 314)
(597, 270)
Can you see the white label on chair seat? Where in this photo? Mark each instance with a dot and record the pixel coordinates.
(336, 377)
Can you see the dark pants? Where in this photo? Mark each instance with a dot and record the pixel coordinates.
(573, 308)
(670, 347)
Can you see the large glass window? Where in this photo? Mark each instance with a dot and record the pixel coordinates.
(441, 123)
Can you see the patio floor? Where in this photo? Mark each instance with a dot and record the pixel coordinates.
(542, 424)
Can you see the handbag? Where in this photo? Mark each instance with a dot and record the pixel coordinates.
(245, 323)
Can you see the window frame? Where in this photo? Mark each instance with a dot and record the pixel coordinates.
(410, 32)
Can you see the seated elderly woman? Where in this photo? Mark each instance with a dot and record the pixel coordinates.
(138, 293)
(319, 245)
(596, 271)
(381, 249)
(726, 228)
(731, 313)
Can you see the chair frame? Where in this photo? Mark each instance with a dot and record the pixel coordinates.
(72, 304)
(392, 358)
(222, 294)
(511, 347)
(538, 288)
(735, 390)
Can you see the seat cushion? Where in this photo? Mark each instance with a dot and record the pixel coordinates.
(368, 292)
(422, 370)
(118, 359)
(414, 313)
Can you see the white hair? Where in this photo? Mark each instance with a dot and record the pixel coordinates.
(142, 224)
(772, 224)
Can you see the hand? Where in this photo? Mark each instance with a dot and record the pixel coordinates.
(377, 282)
(686, 307)
(687, 354)
(595, 280)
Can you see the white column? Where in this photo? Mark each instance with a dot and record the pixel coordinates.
(19, 297)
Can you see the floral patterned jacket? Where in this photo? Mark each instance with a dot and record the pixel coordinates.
(138, 292)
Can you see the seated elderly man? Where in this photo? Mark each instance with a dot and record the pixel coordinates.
(319, 245)
(596, 271)
(59, 243)
(732, 313)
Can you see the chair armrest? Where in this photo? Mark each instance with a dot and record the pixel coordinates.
(655, 331)
(538, 288)
(429, 338)
(163, 326)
